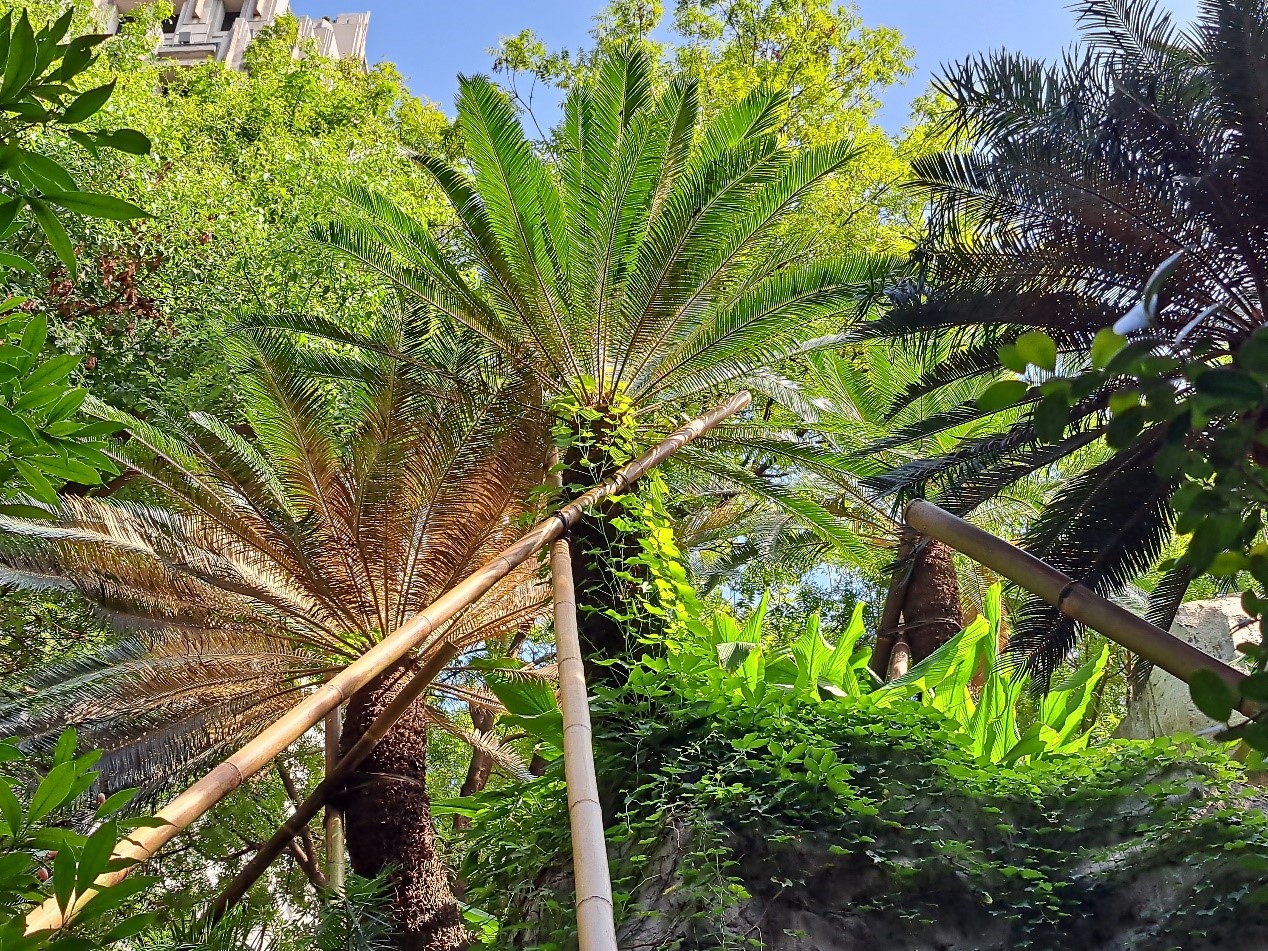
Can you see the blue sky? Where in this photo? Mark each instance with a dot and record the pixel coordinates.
(434, 40)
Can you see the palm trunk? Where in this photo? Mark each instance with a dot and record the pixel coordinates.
(932, 612)
(481, 765)
(606, 581)
(388, 824)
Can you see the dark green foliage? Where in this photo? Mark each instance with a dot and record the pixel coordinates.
(1072, 184)
(42, 446)
(729, 807)
(53, 844)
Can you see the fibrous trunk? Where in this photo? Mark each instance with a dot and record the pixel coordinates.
(932, 612)
(481, 765)
(388, 824)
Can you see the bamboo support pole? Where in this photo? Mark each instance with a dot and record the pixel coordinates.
(888, 631)
(334, 780)
(596, 925)
(199, 798)
(1164, 650)
(336, 852)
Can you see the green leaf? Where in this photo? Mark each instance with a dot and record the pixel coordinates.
(68, 470)
(96, 205)
(126, 140)
(1037, 348)
(130, 927)
(1105, 346)
(53, 790)
(15, 427)
(10, 807)
(35, 334)
(115, 802)
(95, 855)
(87, 104)
(1001, 395)
(1211, 695)
(51, 371)
(16, 262)
(1231, 385)
(49, 175)
(40, 487)
(64, 878)
(1050, 418)
(65, 750)
(55, 231)
(20, 65)
(1011, 359)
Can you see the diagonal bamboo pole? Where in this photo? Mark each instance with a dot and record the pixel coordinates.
(596, 926)
(199, 798)
(334, 780)
(1178, 658)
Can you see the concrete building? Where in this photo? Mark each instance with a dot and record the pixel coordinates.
(221, 29)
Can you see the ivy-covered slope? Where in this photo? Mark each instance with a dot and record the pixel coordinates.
(786, 824)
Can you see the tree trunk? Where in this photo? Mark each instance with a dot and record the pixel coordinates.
(481, 765)
(388, 824)
(932, 613)
(606, 580)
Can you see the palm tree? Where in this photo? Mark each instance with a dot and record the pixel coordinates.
(1068, 185)
(279, 551)
(846, 432)
(633, 267)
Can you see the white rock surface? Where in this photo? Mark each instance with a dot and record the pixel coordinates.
(1163, 706)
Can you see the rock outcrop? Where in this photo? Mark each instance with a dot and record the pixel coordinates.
(1162, 707)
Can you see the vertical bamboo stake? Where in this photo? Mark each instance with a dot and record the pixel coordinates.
(336, 856)
(198, 799)
(596, 928)
(888, 629)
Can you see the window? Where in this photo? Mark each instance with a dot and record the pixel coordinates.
(230, 17)
(169, 25)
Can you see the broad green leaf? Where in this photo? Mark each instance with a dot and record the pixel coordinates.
(1001, 395)
(126, 140)
(1010, 358)
(96, 205)
(16, 262)
(87, 104)
(20, 64)
(51, 371)
(53, 790)
(1037, 348)
(10, 807)
(1105, 346)
(130, 927)
(1211, 695)
(64, 878)
(1231, 385)
(115, 802)
(55, 231)
(1051, 415)
(35, 480)
(15, 427)
(65, 750)
(95, 855)
(48, 174)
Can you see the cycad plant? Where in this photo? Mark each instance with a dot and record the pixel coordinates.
(632, 266)
(1069, 185)
(276, 551)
